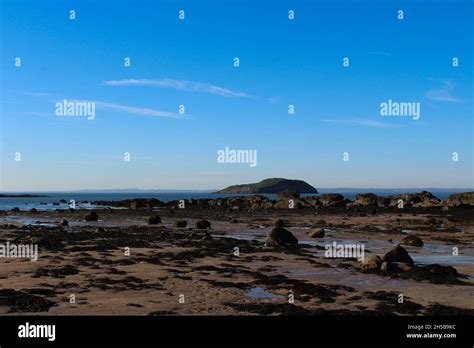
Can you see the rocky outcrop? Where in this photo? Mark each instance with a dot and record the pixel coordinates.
(461, 199)
(366, 199)
(419, 200)
(286, 199)
(274, 185)
(332, 200)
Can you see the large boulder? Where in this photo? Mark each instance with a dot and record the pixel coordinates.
(279, 236)
(366, 199)
(154, 220)
(398, 254)
(332, 200)
(92, 216)
(317, 232)
(419, 199)
(461, 199)
(181, 223)
(412, 240)
(203, 224)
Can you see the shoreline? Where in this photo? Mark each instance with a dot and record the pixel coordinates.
(87, 259)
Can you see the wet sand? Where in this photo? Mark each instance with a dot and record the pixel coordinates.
(189, 271)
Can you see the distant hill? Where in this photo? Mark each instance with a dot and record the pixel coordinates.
(273, 185)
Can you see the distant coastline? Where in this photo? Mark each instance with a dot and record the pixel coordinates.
(25, 195)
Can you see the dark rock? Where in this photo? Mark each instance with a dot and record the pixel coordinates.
(65, 222)
(181, 223)
(16, 210)
(20, 301)
(154, 220)
(92, 216)
(33, 210)
(280, 237)
(434, 273)
(56, 272)
(398, 254)
(203, 224)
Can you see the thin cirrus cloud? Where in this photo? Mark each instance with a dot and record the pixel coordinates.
(444, 94)
(181, 85)
(362, 122)
(137, 110)
(105, 105)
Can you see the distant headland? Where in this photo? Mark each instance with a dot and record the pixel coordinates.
(272, 185)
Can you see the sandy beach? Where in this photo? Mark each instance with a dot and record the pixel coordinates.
(123, 265)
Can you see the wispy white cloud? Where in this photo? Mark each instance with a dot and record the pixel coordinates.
(181, 85)
(362, 122)
(137, 110)
(444, 94)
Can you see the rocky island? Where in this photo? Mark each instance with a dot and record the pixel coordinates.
(273, 185)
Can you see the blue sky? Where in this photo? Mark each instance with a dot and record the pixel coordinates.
(190, 62)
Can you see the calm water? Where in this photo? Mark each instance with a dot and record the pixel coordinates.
(83, 199)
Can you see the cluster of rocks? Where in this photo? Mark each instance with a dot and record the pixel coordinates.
(291, 199)
(417, 200)
(398, 263)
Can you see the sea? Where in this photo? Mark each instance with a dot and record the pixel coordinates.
(51, 200)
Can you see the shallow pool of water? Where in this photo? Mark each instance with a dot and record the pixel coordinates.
(260, 293)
